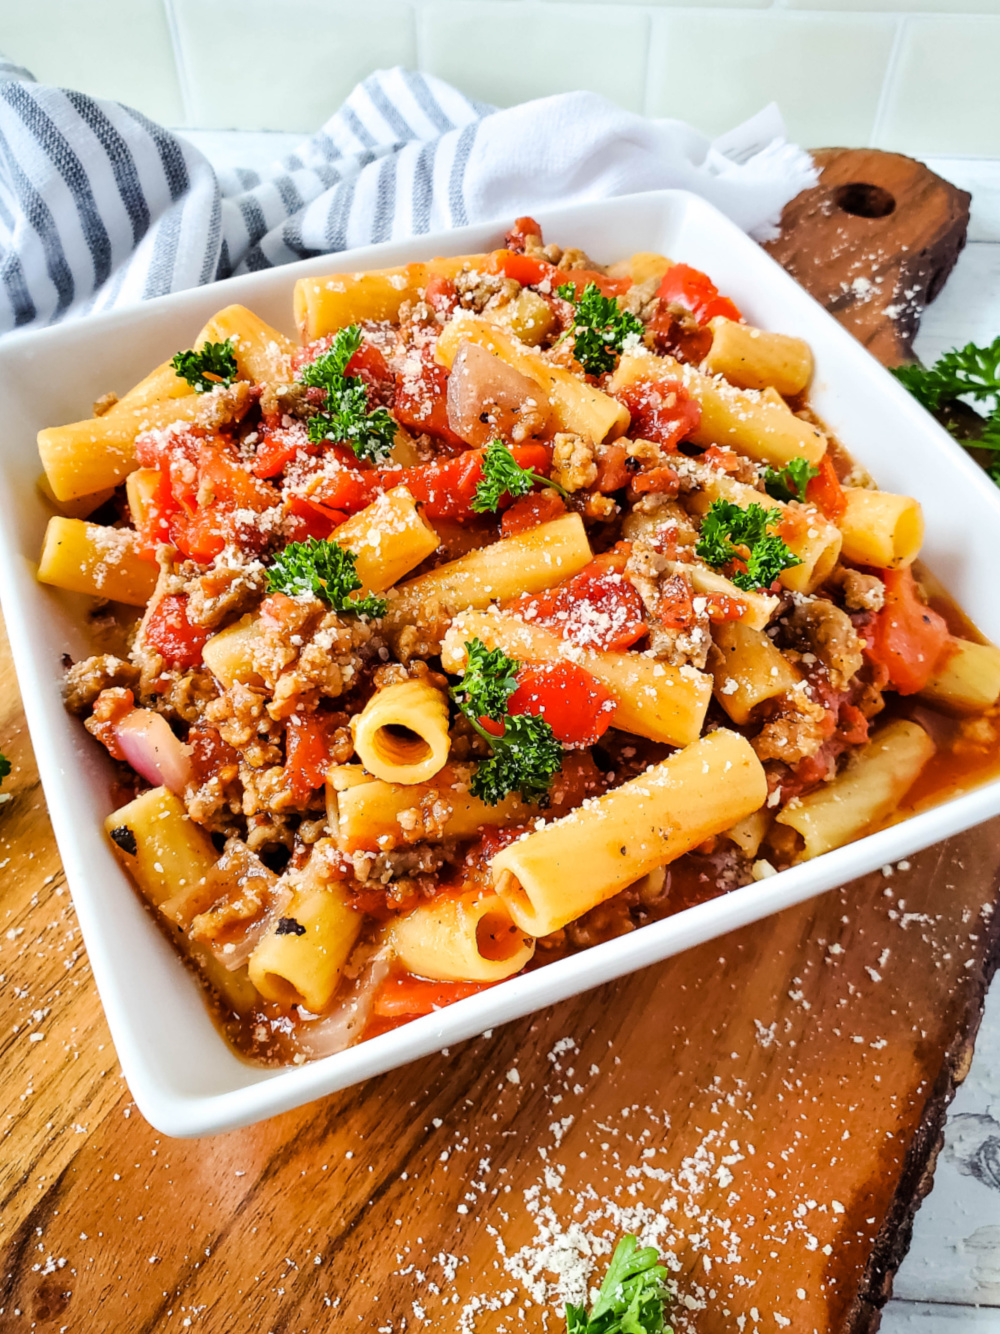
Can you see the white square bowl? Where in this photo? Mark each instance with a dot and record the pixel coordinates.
(183, 1076)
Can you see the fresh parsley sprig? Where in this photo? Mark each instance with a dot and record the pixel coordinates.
(525, 759)
(727, 532)
(503, 475)
(964, 373)
(631, 1299)
(526, 755)
(489, 681)
(325, 570)
(790, 482)
(600, 329)
(208, 367)
(344, 417)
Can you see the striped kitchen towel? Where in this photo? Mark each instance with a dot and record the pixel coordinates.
(100, 207)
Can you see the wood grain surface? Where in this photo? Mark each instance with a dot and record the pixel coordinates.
(766, 1107)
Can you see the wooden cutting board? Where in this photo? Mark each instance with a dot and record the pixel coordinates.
(768, 1106)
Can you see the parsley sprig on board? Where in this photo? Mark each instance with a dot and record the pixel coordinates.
(968, 372)
(631, 1299)
(727, 530)
(503, 475)
(344, 417)
(601, 327)
(789, 482)
(325, 570)
(526, 755)
(211, 365)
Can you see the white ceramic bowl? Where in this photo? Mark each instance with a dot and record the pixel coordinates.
(182, 1074)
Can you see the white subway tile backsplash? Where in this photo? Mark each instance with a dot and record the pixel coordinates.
(825, 72)
(944, 95)
(119, 49)
(257, 64)
(917, 76)
(504, 51)
(902, 6)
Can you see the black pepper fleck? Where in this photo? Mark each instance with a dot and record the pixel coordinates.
(288, 926)
(124, 838)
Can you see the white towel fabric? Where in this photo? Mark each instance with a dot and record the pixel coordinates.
(100, 207)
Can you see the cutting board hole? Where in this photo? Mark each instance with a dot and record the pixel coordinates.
(863, 200)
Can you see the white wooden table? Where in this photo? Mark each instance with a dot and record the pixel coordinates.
(950, 1280)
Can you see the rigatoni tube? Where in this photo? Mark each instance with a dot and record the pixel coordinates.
(761, 427)
(171, 858)
(880, 528)
(968, 680)
(865, 795)
(369, 815)
(468, 937)
(389, 538)
(401, 735)
(755, 359)
(91, 558)
(652, 699)
(554, 875)
(527, 563)
(302, 956)
(747, 669)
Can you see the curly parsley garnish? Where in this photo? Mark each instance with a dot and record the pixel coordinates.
(213, 364)
(526, 756)
(601, 327)
(325, 570)
(730, 533)
(790, 482)
(969, 372)
(503, 475)
(344, 417)
(631, 1299)
(489, 681)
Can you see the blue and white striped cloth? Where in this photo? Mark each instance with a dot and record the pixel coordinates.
(100, 207)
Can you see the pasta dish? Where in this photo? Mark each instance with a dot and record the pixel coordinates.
(520, 604)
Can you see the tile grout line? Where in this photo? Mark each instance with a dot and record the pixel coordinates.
(888, 79)
(179, 63)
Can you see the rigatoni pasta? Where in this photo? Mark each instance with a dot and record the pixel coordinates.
(523, 596)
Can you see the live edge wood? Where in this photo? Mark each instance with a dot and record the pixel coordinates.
(774, 1099)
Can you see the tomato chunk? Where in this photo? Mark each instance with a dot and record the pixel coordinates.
(421, 403)
(441, 294)
(598, 608)
(522, 228)
(404, 995)
(169, 631)
(308, 518)
(531, 272)
(676, 608)
(662, 481)
(661, 410)
(279, 445)
(825, 492)
(909, 638)
(529, 511)
(445, 488)
(684, 286)
(307, 752)
(613, 472)
(209, 753)
(577, 706)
